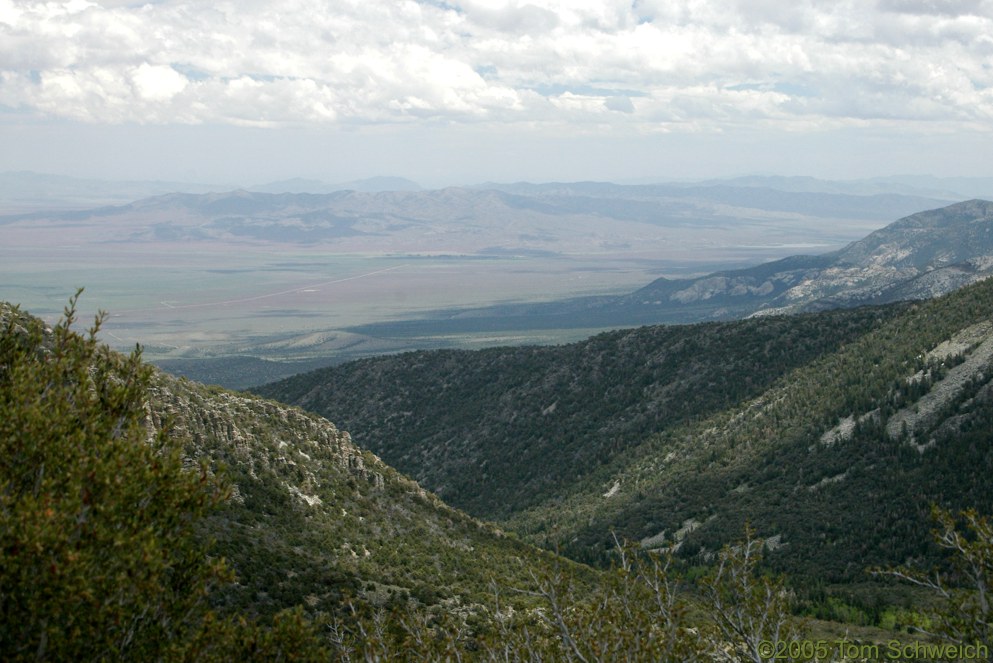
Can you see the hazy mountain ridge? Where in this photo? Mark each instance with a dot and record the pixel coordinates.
(23, 191)
(302, 185)
(560, 218)
(951, 188)
(834, 204)
(27, 190)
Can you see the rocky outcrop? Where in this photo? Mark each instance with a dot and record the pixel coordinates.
(255, 432)
(975, 345)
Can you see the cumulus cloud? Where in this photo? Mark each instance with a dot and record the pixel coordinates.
(646, 64)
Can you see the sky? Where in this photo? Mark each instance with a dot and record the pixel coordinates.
(455, 92)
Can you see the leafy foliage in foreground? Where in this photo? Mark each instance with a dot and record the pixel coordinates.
(99, 552)
(639, 610)
(642, 611)
(963, 613)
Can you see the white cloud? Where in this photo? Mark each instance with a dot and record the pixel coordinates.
(157, 82)
(701, 64)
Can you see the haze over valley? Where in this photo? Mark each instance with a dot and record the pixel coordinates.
(489, 330)
(297, 276)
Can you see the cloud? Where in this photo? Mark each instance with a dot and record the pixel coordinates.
(157, 82)
(934, 7)
(619, 104)
(693, 64)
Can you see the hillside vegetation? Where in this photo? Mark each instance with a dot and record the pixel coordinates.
(832, 433)
(100, 553)
(156, 511)
(120, 490)
(314, 517)
(149, 518)
(838, 464)
(500, 430)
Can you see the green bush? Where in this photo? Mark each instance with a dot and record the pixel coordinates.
(99, 554)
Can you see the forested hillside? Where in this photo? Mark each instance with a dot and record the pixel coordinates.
(148, 518)
(832, 433)
(153, 518)
(499, 430)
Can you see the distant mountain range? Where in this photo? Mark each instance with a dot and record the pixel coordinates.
(923, 255)
(300, 185)
(521, 219)
(580, 238)
(920, 185)
(24, 191)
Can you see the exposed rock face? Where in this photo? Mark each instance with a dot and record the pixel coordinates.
(965, 359)
(920, 256)
(975, 345)
(254, 431)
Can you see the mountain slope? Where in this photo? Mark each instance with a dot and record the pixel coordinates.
(784, 422)
(104, 522)
(495, 431)
(920, 256)
(923, 255)
(839, 463)
(315, 520)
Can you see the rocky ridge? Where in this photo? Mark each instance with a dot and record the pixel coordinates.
(921, 256)
(314, 518)
(312, 515)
